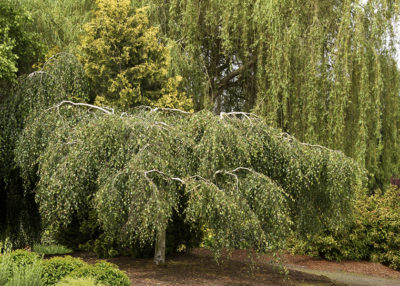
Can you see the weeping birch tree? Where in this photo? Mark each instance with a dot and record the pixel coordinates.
(323, 71)
(246, 183)
(130, 177)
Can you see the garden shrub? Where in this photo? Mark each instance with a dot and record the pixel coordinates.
(58, 267)
(20, 257)
(23, 268)
(125, 61)
(104, 273)
(373, 235)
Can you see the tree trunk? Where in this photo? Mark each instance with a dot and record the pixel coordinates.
(159, 254)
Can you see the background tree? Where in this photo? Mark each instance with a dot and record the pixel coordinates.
(59, 23)
(125, 62)
(324, 71)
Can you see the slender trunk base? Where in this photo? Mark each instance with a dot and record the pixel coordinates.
(159, 254)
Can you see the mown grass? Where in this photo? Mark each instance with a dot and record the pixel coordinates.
(51, 249)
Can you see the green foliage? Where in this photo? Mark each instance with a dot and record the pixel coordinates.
(6, 269)
(124, 60)
(68, 281)
(50, 249)
(23, 268)
(58, 267)
(20, 258)
(104, 273)
(20, 47)
(373, 234)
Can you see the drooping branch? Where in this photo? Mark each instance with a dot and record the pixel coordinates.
(162, 109)
(54, 56)
(290, 137)
(164, 174)
(232, 173)
(235, 73)
(106, 110)
(245, 114)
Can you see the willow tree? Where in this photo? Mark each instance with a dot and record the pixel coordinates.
(323, 70)
(141, 172)
(60, 23)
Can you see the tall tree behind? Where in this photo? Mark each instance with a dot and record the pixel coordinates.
(321, 70)
(60, 23)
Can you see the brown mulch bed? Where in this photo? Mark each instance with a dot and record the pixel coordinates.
(200, 268)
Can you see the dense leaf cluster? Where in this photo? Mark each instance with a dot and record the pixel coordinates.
(60, 78)
(21, 267)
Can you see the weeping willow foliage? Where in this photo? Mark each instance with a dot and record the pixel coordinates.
(322, 70)
(60, 78)
(237, 177)
(60, 23)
